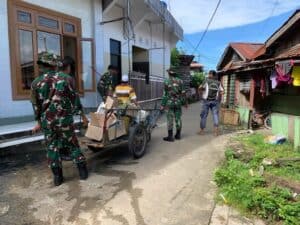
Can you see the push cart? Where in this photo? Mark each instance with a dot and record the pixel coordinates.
(137, 133)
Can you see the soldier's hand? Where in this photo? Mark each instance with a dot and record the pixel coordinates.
(162, 108)
(36, 129)
(186, 106)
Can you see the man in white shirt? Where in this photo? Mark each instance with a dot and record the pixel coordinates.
(212, 90)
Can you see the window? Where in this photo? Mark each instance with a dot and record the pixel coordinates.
(88, 72)
(34, 30)
(24, 17)
(115, 55)
(26, 58)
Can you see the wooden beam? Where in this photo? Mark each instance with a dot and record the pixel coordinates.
(252, 92)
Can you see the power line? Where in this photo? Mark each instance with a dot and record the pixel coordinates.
(275, 4)
(208, 25)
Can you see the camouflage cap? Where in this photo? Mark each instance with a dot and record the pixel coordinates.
(48, 58)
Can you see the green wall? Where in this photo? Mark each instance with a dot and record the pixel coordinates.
(280, 124)
(287, 125)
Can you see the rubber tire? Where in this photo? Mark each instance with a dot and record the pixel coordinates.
(131, 141)
(149, 137)
(268, 126)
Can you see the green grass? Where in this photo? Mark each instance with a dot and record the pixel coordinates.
(249, 191)
(263, 150)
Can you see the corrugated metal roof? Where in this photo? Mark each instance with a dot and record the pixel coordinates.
(290, 53)
(246, 50)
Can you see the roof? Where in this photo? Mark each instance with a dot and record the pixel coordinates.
(246, 50)
(196, 65)
(292, 53)
(281, 30)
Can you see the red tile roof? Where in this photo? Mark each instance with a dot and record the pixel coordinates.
(246, 50)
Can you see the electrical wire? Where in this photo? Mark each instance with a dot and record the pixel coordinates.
(208, 25)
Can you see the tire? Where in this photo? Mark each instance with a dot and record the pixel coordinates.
(268, 122)
(137, 141)
(149, 137)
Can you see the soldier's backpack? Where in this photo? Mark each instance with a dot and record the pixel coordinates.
(213, 89)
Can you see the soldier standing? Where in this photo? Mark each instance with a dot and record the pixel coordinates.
(108, 82)
(173, 100)
(54, 101)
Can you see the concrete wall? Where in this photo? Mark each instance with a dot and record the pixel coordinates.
(88, 11)
(147, 36)
(287, 125)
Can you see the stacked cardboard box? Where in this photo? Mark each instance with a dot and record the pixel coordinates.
(101, 122)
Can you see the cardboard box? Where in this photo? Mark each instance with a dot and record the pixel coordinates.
(110, 103)
(94, 133)
(98, 119)
(96, 126)
(117, 130)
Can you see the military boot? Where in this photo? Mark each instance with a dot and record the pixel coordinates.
(170, 137)
(58, 176)
(178, 134)
(83, 172)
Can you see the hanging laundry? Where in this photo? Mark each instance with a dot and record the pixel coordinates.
(296, 76)
(273, 79)
(283, 77)
(263, 86)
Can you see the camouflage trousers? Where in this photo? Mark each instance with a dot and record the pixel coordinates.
(174, 113)
(62, 139)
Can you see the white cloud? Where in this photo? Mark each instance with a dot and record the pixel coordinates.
(194, 15)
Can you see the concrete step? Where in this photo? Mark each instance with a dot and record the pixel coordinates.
(20, 134)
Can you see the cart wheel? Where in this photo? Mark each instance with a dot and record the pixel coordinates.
(148, 137)
(137, 140)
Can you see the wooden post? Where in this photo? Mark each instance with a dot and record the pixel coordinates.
(252, 93)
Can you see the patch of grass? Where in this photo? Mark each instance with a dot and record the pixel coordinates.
(243, 187)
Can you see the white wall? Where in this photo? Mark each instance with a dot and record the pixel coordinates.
(142, 39)
(88, 11)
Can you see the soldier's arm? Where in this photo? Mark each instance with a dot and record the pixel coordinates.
(35, 103)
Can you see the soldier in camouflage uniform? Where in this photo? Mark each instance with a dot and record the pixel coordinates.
(173, 100)
(108, 82)
(54, 100)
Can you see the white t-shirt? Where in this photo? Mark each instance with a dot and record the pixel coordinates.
(219, 88)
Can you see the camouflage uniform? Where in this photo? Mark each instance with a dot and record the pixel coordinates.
(107, 85)
(173, 99)
(55, 102)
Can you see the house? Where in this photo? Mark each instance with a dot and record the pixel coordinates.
(134, 35)
(234, 56)
(272, 73)
(196, 67)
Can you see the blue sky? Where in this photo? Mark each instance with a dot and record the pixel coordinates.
(235, 21)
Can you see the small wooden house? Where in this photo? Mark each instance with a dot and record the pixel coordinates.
(274, 74)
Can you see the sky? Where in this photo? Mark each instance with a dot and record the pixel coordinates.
(235, 21)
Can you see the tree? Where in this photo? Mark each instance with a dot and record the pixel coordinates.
(197, 79)
(175, 57)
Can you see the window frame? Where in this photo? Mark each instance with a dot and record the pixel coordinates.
(93, 56)
(18, 93)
